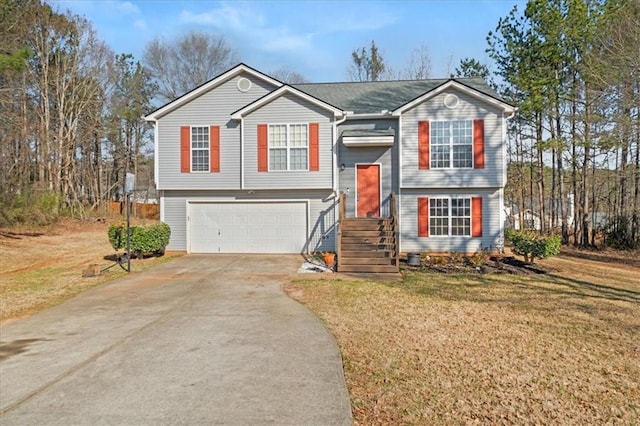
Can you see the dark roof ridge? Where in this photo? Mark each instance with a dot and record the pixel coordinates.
(408, 80)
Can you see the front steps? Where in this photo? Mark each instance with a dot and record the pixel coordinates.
(368, 245)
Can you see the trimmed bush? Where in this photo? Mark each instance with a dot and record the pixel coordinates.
(145, 239)
(531, 245)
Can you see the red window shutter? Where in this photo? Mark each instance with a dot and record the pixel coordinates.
(314, 147)
(214, 148)
(263, 148)
(476, 217)
(423, 145)
(423, 217)
(185, 149)
(478, 144)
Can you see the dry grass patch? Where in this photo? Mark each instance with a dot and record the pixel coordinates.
(494, 349)
(43, 267)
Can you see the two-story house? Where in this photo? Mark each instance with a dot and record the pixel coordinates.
(248, 164)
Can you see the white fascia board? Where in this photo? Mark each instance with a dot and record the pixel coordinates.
(208, 86)
(368, 116)
(367, 140)
(461, 87)
(279, 92)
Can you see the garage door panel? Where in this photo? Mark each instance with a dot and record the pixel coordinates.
(241, 227)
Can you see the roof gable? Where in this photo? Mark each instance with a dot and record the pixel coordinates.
(458, 85)
(379, 97)
(209, 85)
(285, 89)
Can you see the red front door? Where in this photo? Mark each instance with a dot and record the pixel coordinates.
(368, 195)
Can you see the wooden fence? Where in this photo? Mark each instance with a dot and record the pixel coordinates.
(139, 210)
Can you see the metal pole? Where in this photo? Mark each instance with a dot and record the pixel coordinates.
(128, 234)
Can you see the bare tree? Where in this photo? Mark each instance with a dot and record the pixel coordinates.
(419, 65)
(287, 75)
(185, 63)
(367, 64)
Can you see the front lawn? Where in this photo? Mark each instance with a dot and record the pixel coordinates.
(493, 349)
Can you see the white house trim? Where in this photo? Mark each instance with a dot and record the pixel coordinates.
(280, 92)
(364, 141)
(453, 84)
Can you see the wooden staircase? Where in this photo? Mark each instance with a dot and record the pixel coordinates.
(368, 245)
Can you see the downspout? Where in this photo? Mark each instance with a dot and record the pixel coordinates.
(242, 153)
(398, 240)
(334, 175)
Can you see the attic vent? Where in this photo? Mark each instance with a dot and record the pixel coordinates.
(244, 84)
(451, 101)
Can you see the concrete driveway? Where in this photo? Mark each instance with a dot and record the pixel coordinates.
(203, 339)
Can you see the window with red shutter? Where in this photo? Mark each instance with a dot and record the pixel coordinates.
(423, 145)
(314, 147)
(185, 149)
(476, 217)
(263, 148)
(423, 217)
(214, 149)
(478, 144)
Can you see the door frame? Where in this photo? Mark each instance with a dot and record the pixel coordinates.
(355, 204)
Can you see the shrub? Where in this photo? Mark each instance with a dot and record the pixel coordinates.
(456, 258)
(531, 245)
(29, 206)
(144, 238)
(479, 258)
(620, 233)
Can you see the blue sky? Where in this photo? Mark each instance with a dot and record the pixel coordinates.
(313, 38)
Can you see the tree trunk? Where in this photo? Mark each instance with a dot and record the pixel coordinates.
(585, 172)
(540, 175)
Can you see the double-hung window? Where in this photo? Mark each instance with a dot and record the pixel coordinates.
(450, 216)
(451, 144)
(200, 149)
(288, 147)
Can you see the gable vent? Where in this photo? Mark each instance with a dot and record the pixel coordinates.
(244, 84)
(451, 101)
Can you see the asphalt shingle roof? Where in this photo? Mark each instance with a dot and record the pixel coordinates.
(375, 96)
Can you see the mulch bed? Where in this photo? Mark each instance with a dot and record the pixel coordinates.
(494, 265)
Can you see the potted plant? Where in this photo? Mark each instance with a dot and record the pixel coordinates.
(329, 258)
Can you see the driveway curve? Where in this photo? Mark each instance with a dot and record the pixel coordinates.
(203, 339)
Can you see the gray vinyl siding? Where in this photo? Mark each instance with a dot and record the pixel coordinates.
(492, 226)
(211, 108)
(321, 213)
(386, 156)
(469, 108)
(288, 109)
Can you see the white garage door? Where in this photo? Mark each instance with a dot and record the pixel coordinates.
(243, 227)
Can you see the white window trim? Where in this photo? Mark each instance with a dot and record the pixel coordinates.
(431, 145)
(208, 149)
(288, 148)
(449, 234)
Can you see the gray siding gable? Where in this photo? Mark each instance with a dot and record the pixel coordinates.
(288, 109)
(469, 108)
(211, 108)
